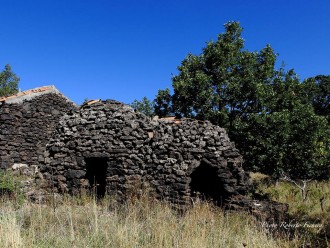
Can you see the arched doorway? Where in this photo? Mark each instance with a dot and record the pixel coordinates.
(206, 184)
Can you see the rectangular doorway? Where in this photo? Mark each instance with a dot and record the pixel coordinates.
(96, 173)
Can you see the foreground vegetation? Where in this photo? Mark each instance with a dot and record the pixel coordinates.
(314, 210)
(85, 222)
(81, 222)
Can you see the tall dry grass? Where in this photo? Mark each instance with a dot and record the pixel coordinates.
(82, 222)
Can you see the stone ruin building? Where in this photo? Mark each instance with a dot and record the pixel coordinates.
(107, 147)
(27, 121)
(107, 142)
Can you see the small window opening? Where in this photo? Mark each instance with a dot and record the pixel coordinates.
(96, 175)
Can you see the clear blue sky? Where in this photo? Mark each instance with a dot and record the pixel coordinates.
(125, 50)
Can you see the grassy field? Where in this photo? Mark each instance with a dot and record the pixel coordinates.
(140, 223)
(83, 222)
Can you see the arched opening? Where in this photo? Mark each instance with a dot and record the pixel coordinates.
(206, 184)
(96, 173)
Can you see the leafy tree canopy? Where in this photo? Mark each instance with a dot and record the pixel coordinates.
(8, 82)
(144, 106)
(317, 91)
(277, 122)
(163, 103)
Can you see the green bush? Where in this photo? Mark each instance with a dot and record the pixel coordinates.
(8, 185)
(11, 187)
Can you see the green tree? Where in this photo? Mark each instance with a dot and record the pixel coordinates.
(163, 103)
(8, 82)
(295, 141)
(264, 110)
(144, 106)
(225, 82)
(317, 91)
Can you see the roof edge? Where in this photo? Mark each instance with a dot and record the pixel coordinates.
(32, 93)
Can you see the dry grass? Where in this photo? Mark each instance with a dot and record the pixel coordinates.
(314, 210)
(81, 222)
(317, 202)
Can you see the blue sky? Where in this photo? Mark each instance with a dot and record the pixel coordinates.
(125, 50)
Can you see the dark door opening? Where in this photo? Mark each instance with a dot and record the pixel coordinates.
(96, 175)
(206, 184)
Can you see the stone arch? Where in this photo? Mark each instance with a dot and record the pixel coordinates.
(206, 184)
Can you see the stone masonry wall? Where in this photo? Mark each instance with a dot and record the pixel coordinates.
(26, 127)
(124, 151)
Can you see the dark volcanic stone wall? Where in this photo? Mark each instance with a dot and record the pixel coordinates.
(26, 127)
(123, 151)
